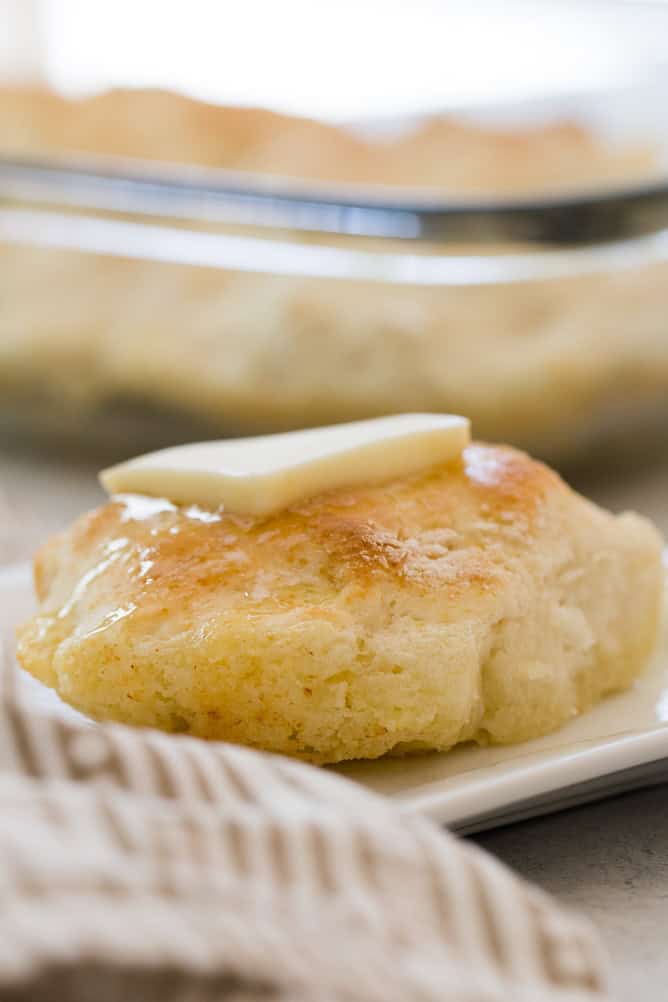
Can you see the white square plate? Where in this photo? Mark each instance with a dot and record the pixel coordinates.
(620, 744)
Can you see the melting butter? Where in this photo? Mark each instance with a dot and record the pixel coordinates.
(258, 476)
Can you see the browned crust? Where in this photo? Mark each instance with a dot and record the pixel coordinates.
(438, 153)
(421, 533)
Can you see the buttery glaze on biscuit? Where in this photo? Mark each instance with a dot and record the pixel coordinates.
(481, 600)
(264, 474)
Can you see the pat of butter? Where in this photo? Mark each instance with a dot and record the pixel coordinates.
(257, 476)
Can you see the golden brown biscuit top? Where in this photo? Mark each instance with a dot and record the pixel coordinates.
(447, 533)
(439, 153)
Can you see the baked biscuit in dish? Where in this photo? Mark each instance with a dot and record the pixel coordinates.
(481, 600)
(555, 366)
(438, 152)
(546, 365)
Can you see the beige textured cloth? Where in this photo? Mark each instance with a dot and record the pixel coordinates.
(136, 864)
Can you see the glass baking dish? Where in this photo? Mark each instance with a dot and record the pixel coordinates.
(512, 265)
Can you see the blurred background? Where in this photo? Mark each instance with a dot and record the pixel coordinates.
(222, 218)
(353, 59)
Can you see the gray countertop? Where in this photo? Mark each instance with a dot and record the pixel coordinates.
(609, 860)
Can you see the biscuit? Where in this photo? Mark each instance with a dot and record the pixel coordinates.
(556, 367)
(438, 152)
(482, 600)
(234, 352)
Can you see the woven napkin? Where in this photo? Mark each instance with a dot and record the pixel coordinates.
(139, 865)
